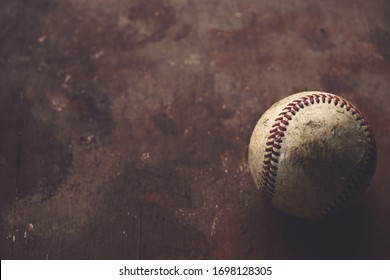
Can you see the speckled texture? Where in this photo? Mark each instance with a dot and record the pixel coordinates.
(324, 159)
(124, 127)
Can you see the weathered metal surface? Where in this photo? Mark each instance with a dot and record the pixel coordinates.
(124, 127)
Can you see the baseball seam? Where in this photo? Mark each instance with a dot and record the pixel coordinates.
(275, 140)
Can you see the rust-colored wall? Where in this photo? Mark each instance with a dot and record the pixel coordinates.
(124, 127)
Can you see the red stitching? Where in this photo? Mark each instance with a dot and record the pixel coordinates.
(273, 145)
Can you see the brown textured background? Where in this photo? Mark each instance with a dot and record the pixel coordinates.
(124, 125)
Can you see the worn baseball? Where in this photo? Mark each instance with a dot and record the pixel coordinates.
(312, 154)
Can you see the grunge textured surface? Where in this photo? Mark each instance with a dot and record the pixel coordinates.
(124, 127)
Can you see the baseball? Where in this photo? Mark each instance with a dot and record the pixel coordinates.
(312, 154)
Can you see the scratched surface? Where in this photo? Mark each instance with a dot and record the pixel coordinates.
(124, 127)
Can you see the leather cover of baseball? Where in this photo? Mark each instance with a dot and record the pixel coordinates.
(312, 154)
